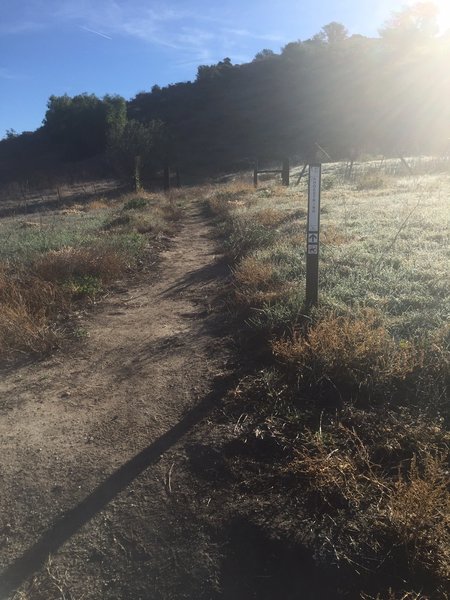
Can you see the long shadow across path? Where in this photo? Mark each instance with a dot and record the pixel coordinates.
(73, 520)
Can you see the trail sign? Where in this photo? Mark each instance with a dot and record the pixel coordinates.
(312, 239)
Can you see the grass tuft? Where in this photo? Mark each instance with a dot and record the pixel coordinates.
(101, 261)
(29, 312)
(349, 351)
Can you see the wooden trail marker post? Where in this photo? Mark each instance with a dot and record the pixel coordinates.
(312, 235)
(284, 172)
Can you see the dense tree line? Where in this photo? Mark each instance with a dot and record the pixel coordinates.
(349, 94)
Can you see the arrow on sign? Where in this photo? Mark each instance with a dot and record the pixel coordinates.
(312, 238)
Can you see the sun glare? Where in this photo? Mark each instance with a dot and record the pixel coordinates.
(442, 6)
(443, 17)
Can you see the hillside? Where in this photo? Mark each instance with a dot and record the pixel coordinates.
(354, 96)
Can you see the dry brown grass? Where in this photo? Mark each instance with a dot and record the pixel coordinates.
(185, 194)
(331, 475)
(372, 180)
(223, 198)
(255, 298)
(355, 350)
(29, 225)
(28, 309)
(98, 204)
(145, 213)
(74, 209)
(38, 287)
(257, 283)
(417, 514)
(23, 331)
(337, 467)
(437, 352)
(99, 261)
(252, 272)
(375, 379)
(218, 206)
(270, 217)
(170, 210)
(333, 236)
(404, 513)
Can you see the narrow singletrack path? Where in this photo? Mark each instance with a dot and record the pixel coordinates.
(90, 505)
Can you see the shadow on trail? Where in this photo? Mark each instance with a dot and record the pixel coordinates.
(257, 567)
(74, 519)
(217, 270)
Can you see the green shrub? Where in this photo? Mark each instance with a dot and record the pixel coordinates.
(135, 204)
(81, 286)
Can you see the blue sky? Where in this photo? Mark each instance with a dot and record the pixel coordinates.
(126, 46)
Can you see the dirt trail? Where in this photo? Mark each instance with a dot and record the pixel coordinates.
(85, 476)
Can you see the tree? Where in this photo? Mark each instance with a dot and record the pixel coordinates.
(264, 54)
(209, 72)
(84, 124)
(148, 141)
(10, 134)
(115, 116)
(411, 25)
(333, 33)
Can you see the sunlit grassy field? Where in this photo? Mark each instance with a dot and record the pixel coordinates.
(356, 390)
(385, 248)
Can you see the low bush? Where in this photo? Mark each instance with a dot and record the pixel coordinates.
(123, 221)
(83, 286)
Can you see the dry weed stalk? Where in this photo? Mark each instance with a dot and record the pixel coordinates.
(49, 584)
(391, 595)
(337, 472)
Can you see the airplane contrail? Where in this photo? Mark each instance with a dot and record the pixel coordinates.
(96, 32)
